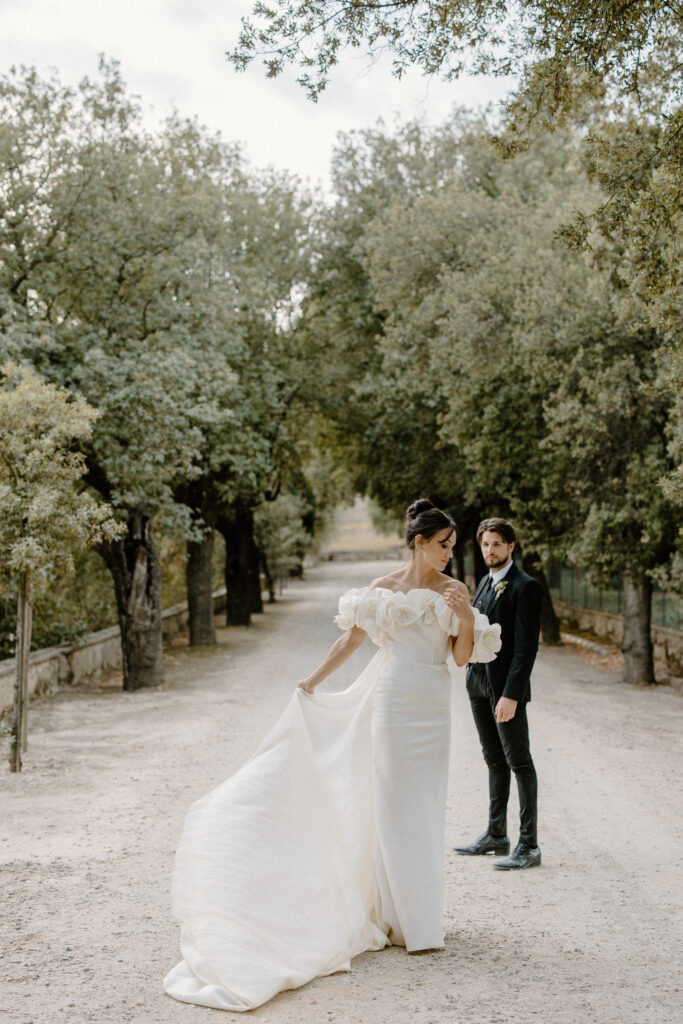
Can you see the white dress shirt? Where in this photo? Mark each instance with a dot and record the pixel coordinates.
(500, 574)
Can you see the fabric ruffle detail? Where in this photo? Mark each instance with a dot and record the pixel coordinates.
(358, 607)
(381, 610)
(487, 639)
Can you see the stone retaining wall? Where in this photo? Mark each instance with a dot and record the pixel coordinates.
(88, 659)
(668, 643)
(395, 553)
(100, 652)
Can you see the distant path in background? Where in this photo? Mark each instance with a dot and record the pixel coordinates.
(89, 827)
(355, 537)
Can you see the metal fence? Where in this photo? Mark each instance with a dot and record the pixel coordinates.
(567, 583)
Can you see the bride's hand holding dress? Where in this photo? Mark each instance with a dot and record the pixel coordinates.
(339, 652)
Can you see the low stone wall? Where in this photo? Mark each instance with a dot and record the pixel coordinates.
(87, 660)
(100, 652)
(668, 643)
(395, 553)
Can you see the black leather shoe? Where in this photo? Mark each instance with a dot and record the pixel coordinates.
(485, 844)
(523, 856)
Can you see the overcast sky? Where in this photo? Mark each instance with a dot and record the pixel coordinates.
(172, 54)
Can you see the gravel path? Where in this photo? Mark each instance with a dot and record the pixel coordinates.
(88, 829)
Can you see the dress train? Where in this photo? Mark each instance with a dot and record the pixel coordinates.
(330, 840)
(275, 873)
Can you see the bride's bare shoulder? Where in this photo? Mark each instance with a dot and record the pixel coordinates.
(389, 582)
(447, 582)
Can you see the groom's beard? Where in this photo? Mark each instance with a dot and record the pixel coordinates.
(497, 565)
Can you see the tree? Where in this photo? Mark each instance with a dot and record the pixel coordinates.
(262, 252)
(612, 66)
(479, 299)
(608, 448)
(671, 383)
(146, 271)
(381, 430)
(543, 370)
(414, 208)
(45, 513)
(466, 313)
(609, 40)
(166, 272)
(97, 221)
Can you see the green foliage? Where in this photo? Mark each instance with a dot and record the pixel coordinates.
(608, 454)
(612, 69)
(636, 157)
(280, 534)
(501, 372)
(481, 308)
(89, 264)
(386, 523)
(154, 274)
(378, 420)
(44, 511)
(671, 383)
(450, 37)
(428, 333)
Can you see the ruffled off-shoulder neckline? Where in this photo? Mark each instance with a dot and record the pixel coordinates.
(377, 610)
(413, 590)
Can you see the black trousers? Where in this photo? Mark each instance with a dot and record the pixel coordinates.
(505, 746)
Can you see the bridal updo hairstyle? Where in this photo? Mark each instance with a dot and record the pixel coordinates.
(423, 518)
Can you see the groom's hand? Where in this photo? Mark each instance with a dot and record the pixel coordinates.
(505, 709)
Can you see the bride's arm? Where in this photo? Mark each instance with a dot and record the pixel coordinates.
(340, 651)
(463, 643)
(458, 600)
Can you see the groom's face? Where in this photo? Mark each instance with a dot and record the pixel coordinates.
(497, 553)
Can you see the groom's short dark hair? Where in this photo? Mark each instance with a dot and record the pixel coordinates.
(497, 525)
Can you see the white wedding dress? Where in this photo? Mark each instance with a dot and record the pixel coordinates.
(330, 840)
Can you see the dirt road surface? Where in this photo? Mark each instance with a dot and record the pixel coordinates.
(88, 830)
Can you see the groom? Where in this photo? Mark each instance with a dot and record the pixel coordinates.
(499, 691)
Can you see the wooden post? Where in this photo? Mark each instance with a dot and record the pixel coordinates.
(28, 625)
(21, 663)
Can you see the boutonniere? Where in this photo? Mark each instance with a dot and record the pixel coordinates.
(500, 588)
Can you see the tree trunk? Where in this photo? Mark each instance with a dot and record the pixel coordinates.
(270, 582)
(550, 624)
(255, 599)
(199, 576)
(480, 568)
(459, 563)
(133, 561)
(23, 646)
(235, 525)
(637, 642)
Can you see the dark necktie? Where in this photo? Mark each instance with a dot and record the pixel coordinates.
(486, 590)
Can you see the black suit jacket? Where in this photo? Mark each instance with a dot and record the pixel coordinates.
(518, 610)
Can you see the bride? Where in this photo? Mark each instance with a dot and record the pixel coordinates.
(330, 840)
